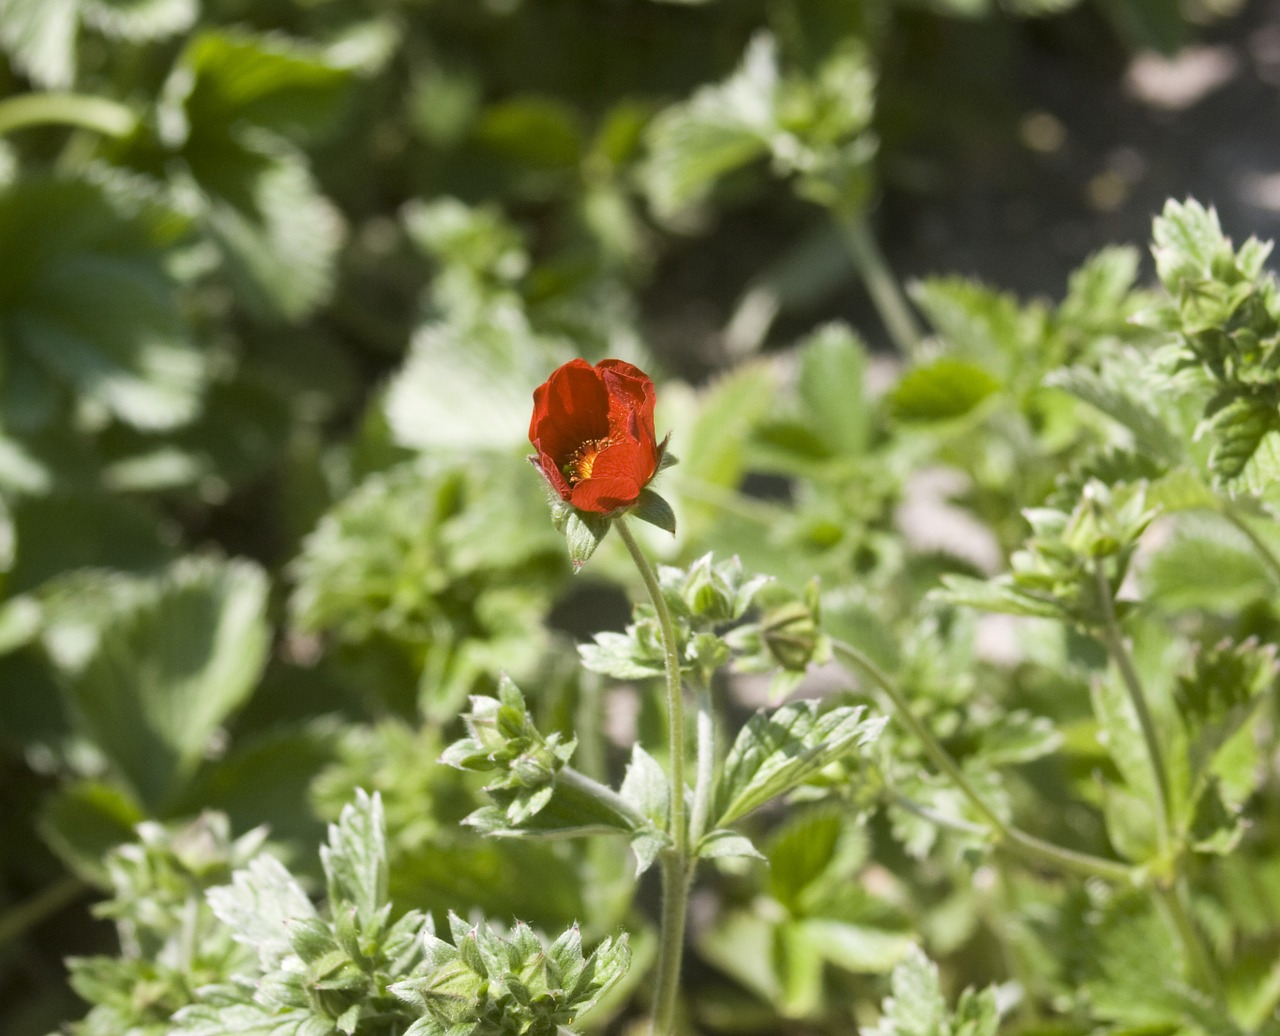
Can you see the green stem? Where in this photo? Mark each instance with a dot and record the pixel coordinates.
(1114, 641)
(29, 913)
(881, 284)
(852, 657)
(676, 865)
(43, 109)
(1008, 838)
(1232, 514)
(603, 794)
(1177, 905)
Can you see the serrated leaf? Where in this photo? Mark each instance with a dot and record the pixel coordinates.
(168, 670)
(916, 1006)
(779, 751)
(941, 391)
(259, 906)
(719, 129)
(1206, 564)
(1118, 401)
(355, 860)
(1098, 292)
(1238, 431)
(88, 303)
(1187, 240)
(980, 325)
(646, 788)
(278, 234)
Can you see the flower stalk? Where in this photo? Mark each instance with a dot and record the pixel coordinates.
(676, 863)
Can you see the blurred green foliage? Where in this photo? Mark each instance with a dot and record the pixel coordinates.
(279, 278)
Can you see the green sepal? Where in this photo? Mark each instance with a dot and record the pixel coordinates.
(583, 532)
(652, 508)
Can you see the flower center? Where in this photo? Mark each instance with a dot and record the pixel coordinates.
(578, 467)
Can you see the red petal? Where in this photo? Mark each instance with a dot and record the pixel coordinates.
(554, 478)
(570, 408)
(603, 495)
(631, 399)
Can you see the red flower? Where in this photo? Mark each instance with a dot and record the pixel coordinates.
(593, 430)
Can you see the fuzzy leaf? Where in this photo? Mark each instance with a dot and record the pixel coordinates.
(92, 308)
(355, 860)
(942, 390)
(167, 671)
(779, 751)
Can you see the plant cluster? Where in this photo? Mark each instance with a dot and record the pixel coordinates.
(946, 700)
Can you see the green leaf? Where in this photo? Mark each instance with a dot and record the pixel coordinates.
(779, 751)
(917, 1006)
(1112, 391)
(1187, 243)
(86, 301)
(278, 234)
(83, 820)
(269, 82)
(228, 106)
(981, 325)
(652, 508)
(259, 906)
(994, 595)
(646, 788)
(832, 390)
(465, 386)
(1098, 292)
(168, 670)
(355, 860)
(860, 948)
(719, 129)
(139, 19)
(722, 842)
(1207, 563)
(40, 37)
(583, 532)
(941, 391)
(533, 132)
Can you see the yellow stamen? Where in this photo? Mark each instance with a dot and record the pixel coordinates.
(578, 467)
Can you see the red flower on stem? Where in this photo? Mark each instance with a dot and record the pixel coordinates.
(593, 430)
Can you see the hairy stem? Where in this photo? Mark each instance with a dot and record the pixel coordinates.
(1008, 838)
(675, 862)
(603, 794)
(1203, 965)
(881, 284)
(1113, 639)
(44, 109)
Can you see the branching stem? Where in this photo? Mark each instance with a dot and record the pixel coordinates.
(881, 284)
(1008, 838)
(1113, 639)
(676, 864)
